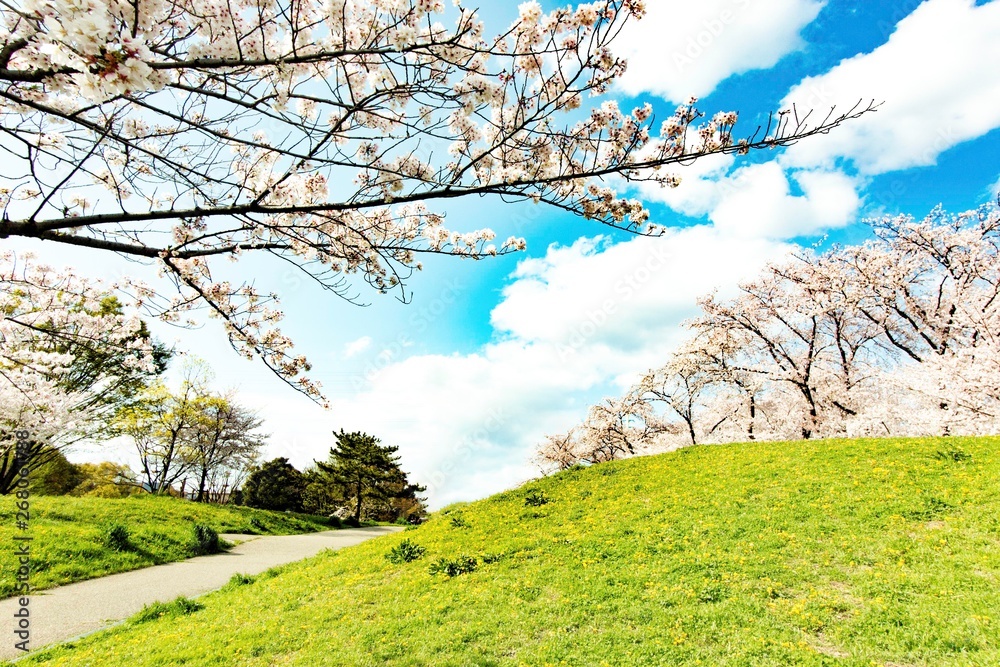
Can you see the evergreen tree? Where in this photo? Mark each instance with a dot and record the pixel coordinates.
(276, 485)
(367, 474)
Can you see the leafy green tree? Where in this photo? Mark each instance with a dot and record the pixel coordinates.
(112, 365)
(319, 496)
(106, 480)
(367, 475)
(161, 424)
(276, 485)
(224, 443)
(56, 476)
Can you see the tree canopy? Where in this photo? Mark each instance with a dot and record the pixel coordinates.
(326, 136)
(369, 479)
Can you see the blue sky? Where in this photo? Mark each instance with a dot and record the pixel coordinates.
(489, 356)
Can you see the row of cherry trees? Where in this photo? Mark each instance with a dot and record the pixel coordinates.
(897, 336)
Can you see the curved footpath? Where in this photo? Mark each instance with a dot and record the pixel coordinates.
(67, 612)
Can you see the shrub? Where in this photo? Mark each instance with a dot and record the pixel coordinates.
(352, 522)
(459, 522)
(405, 552)
(336, 521)
(276, 485)
(117, 538)
(535, 498)
(257, 524)
(238, 580)
(453, 568)
(955, 454)
(206, 540)
(179, 607)
(932, 509)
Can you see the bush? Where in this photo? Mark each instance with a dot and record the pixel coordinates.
(257, 524)
(206, 540)
(238, 580)
(351, 522)
(535, 498)
(336, 521)
(179, 607)
(459, 522)
(117, 538)
(276, 485)
(405, 552)
(955, 454)
(453, 568)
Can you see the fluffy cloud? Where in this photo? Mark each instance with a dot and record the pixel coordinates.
(682, 49)
(938, 78)
(356, 347)
(763, 200)
(577, 324)
(757, 201)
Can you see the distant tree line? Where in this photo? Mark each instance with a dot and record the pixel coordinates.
(897, 336)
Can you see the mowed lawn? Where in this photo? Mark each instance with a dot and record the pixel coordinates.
(69, 534)
(846, 552)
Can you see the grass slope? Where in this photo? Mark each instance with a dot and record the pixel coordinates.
(68, 534)
(847, 553)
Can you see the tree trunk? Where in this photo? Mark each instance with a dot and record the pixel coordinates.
(201, 485)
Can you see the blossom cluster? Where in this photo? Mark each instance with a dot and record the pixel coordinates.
(318, 133)
(47, 319)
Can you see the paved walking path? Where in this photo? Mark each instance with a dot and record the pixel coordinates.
(66, 612)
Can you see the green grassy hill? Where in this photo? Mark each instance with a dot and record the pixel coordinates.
(854, 553)
(69, 534)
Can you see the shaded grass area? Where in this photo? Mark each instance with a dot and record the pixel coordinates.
(81, 538)
(845, 552)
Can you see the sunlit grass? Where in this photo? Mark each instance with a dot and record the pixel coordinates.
(69, 534)
(854, 553)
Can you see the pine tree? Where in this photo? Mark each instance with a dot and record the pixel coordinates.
(366, 472)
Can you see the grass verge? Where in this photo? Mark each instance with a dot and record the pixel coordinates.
(81, 538)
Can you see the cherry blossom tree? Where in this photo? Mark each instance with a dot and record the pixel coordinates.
(324, 135)
(897, 336)
(935, 292)
(679, 386)
(66, 351)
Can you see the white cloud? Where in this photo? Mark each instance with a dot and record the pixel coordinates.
(356, 347)
(938, 77)
(577, 324)
(757, 202)
(763, 200)
(698, 192)
(688, 48)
